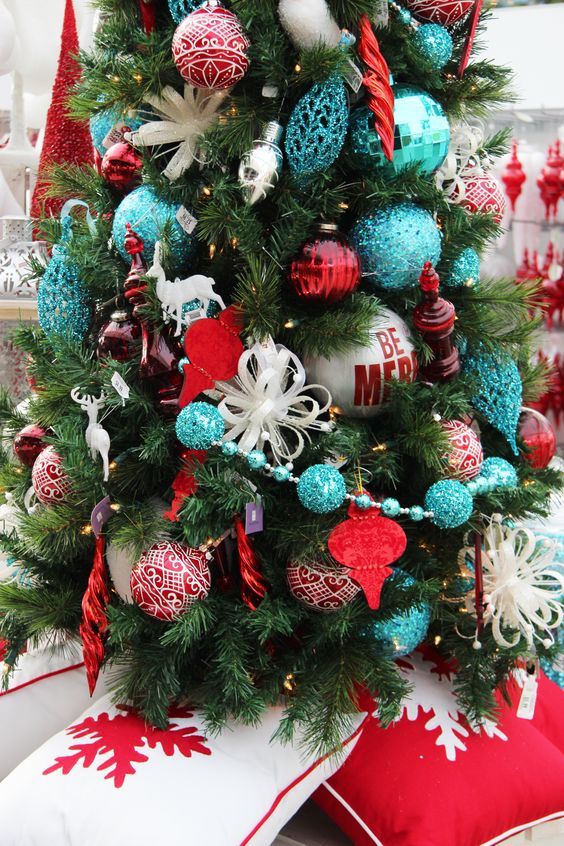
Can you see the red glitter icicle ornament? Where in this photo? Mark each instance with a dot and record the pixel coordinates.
(94, 620)
(513, 177)
(66, 141)
(253, 588)
(380, 97)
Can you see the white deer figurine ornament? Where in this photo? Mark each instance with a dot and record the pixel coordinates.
(96, 436)
(175, 295)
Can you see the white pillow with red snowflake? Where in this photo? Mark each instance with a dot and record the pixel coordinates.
(46, 691)
(111, 779)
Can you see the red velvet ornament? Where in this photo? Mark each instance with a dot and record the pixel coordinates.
(443, 12)
(483, 195)
(434, 319)
(119, 338)
(320, 586)
(471, 35)
(28, 443)
(538, 436)
(513, 177)
(379, 92)
(213, 347)
(184, 484)
(50, 482)
(327, 267)
(209, 48)
(169, 579)
(465, 455)
(121, 167)
(367, 543)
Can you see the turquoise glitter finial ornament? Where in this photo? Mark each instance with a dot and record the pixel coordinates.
(464, 270)
(434, 44)
(317, 129)
(405, 631)
(421, 135)
(499, 390)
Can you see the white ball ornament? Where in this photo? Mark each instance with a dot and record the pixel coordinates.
(309, 22)
(357, 380)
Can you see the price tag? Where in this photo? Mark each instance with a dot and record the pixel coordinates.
(353, 77)
(121, 387)
(101, 513)
(254, 517)
(528, 701)
(186, 219)
(115, 135)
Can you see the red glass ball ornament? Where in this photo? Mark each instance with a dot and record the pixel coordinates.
(483, 195)
(119, 338)
(538, 436)
(210, 48)
(121, 167)
(320, 586)
(327, 267)
(50, 482)
(169, 579)
(443, 12)
(28, 443)
(465, 455)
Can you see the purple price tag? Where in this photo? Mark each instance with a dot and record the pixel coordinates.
(254, 518)
(101, 513)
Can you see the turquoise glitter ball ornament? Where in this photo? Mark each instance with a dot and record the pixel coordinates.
(500, 471)
(434, 44)
(401, 634)
(498, 392)
(199, 426)
(394, 243)
(465, 269)
(450, 502)
(421, 135)
(63, 304)
(229, 448)
(148, 215)
(180, 9)
(317, 129)
(281, 474)
(321, 488)
(101, 125)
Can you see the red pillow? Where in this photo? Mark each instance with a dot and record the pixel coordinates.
(429, 780)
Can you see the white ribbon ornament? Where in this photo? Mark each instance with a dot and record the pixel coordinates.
(184, 121)
(462, 161)
(264, 402)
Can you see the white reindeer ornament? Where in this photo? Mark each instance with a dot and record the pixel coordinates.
(96, 436)
(175, 295)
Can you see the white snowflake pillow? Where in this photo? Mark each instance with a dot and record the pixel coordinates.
(112, 779)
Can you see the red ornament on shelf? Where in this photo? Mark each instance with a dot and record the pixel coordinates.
(483, 194)
(120, 337)
(29, 443)
(50, 481)
(321, 586)
(549, 181)
(121, 167)
(327, 267)
(367, 543)
(513, 177)
(465, 455)
(538, 436)
(169, 579)
(443, 12)
(434, 319)
(209, 48)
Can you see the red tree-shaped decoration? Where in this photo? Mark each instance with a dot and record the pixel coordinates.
(66, 141)
(434, 319)
(380, 97)
(513, 177)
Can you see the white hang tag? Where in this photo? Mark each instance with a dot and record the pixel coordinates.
(380, 14)
(121, 387)
(335, 460)
(115, 135)
(186, 219)
(353, 76)
(270, 92)
(268, 349)
(528, 701)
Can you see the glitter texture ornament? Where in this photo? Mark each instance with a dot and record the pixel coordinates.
(465, 455)
(321, 489)
(450, 502)
(434, 44)
(327, 267)
(29, 443)
(169, 579)
(500, 471)
(260, 167)
(320, 586)
(179, 9)
(444, 12)
(465, 269)
(121, 167)
(422, 135)
(403, 632)
(499, 390)
(317, 129)
(107, 126)
(357, 379)
(209, 48)
(394, 244)
(199, 425)
(50, 481)
(148, 214)
(539, 438)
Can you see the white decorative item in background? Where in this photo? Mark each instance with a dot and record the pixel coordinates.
(8, 41)
(16, 250)
(266, 403)
(309, 22)
(96, 436)
(260, 166)
(183, 120)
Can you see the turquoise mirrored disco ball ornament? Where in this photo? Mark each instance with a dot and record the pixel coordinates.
(421, 135)
(465, 269)
(498, 390)
(403, 632)
(180, 9)
(102, 124)
(394, 243)
(434, 44)
(148, 215)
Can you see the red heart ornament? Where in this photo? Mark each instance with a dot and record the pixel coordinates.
(368, 543)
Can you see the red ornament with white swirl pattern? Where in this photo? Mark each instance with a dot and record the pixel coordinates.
(50, 482)
(320, 586)
(169, 579)
(465, 456)
(443, 12)
(482, 194)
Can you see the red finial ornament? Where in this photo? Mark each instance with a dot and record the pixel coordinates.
(522, 272)
(434, 318)
(549, 180)
(513, 177)
(148, 12)
(94, 620)
(380, 97)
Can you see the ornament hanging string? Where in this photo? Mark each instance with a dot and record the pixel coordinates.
(478, 585)
(94, 619)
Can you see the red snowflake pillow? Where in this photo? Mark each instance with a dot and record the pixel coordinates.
(112, 779)
(430, 780)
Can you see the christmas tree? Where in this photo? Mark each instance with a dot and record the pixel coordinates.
(275, 439)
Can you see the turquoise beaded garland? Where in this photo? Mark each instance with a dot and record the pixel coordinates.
(434, 44)
(363, 501)
(229, 448)
(281, 474)
(451, 503)
(390, 507)
(321, 489)
(256, 459)
(416, 513)
(199, 426)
